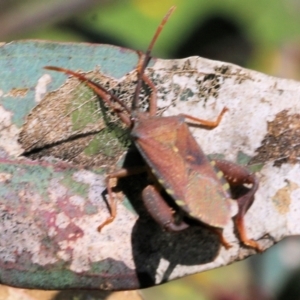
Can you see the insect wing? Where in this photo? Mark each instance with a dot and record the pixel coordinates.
(182, 168)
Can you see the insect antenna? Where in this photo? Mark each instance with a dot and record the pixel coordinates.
(142, 66)
(107, 95)
(100, 91)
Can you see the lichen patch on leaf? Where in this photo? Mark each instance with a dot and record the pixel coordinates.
(5, 177)
(282, 141)
(17, 92)
(41, 87)
(8, 134)
(282, 199)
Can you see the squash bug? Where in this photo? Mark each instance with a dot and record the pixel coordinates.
(175, 163)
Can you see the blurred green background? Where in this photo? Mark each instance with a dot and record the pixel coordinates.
(259, 34)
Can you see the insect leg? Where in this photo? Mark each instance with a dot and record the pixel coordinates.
(147, 81)
(153, 98)
(112, 203)
(159, 210)
(236, 176)
(206, 123)
(219, 233)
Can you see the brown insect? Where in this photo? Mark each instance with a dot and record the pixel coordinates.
(175, 163)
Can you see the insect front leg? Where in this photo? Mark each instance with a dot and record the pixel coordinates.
(236, 176)
(207, 123)
(144, 78)
(159, 210)
(153, 97)
(111, 201)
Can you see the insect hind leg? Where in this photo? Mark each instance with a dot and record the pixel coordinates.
(159, 210)
(237, 176)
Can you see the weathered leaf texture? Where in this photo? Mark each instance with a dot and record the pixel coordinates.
(50, 209)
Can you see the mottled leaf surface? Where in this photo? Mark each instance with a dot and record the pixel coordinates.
(50, 209)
